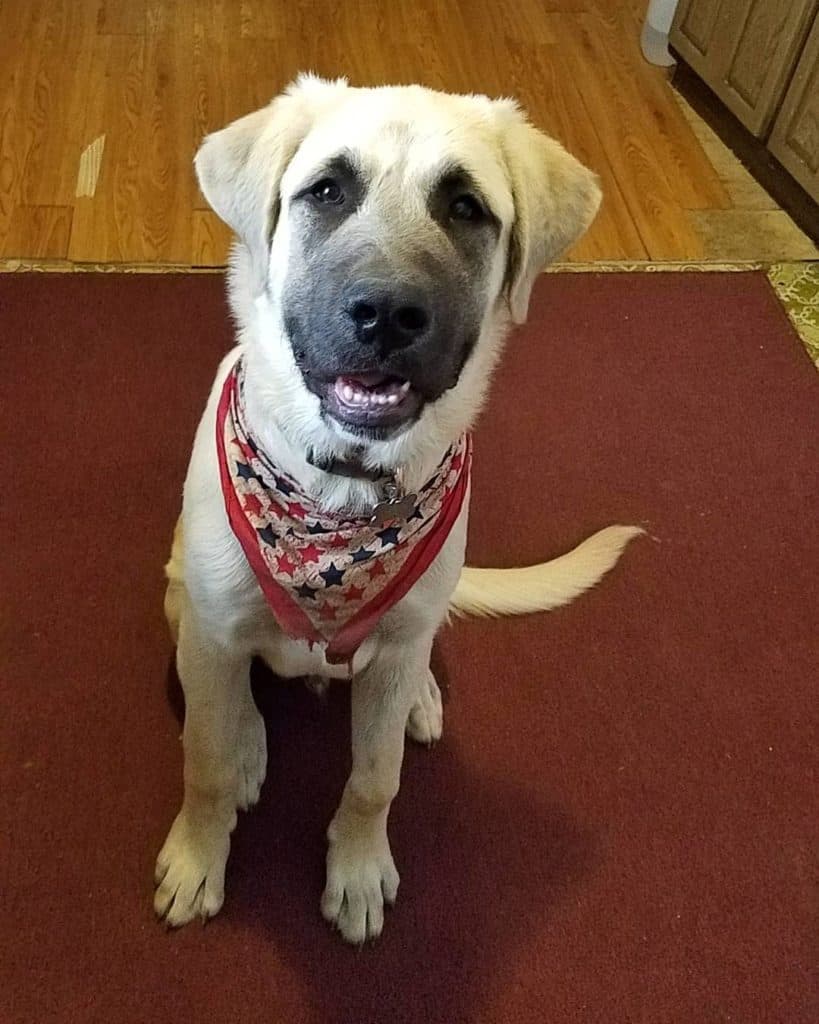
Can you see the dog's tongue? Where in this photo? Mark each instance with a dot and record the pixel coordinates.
(367, 380)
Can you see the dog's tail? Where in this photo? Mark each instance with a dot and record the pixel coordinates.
(538, 588)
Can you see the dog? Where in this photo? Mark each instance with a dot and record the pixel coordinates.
(387, 239)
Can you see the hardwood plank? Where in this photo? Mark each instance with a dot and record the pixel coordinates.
(106, 227)
(417, 48)
(38, 232)
(23, 30)
(116, 17)
(638, 10)
(211, 240)
(41, 98)
(209, 68)
(660, 220)
(689, 174)
(165, 178)
(555, 103)
(50, 170)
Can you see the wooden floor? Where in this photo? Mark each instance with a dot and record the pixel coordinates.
(103, 102)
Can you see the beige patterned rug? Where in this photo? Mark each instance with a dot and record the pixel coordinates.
(797, 285)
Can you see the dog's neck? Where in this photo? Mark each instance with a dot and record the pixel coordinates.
(352, 466)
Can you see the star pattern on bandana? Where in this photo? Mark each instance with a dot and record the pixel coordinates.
(252, 504)
(267, 534)
(285, 565)
(388, 536)
(310, 554)
(332, 576)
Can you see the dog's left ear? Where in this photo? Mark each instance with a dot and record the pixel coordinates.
(556, 199)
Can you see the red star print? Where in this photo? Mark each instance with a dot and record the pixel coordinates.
(377, 569)
(253, 505)
(353, 593)
(338, 542)
(285, 565)
(327, 613)
(296, 510)
(310, 554)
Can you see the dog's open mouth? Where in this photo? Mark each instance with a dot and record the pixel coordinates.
(372, 400)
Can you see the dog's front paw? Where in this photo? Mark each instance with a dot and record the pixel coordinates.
(190, 872)
(252, 757)
(361, 878)
(426, 720)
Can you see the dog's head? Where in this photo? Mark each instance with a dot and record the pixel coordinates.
(392, 234)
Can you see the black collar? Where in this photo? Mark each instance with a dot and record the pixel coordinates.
(352, 469)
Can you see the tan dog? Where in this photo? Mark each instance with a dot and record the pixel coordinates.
(387, 240)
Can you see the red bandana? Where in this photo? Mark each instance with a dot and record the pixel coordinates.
(328, 578)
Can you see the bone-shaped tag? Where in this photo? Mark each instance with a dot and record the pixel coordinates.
(394, 509)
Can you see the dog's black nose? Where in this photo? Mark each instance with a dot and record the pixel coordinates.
(390, 317)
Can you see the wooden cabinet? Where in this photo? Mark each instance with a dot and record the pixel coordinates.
(744, 50)
(795, 137)
(761, 58)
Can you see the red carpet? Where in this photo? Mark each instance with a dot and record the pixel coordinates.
(620, 824)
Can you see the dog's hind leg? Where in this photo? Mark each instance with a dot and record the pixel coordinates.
(251, 750)
(426, 719)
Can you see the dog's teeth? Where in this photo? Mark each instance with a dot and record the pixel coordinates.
(385, 395)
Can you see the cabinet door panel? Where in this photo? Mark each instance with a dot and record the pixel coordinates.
(795, 137)
(744, 50)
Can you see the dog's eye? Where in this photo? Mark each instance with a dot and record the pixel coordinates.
(466, 207)
(327, 191)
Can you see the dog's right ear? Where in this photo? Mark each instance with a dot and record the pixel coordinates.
(240, 167)
(555, 197)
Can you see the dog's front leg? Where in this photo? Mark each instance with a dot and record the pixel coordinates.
(190, 869)
(361, 875)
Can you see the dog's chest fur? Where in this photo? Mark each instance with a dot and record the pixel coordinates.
(290, 658)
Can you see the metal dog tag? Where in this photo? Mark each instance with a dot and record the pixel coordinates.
(394, 507)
